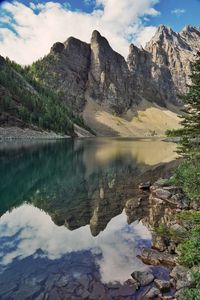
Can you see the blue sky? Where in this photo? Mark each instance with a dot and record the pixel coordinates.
(189, 11)
(29, 28)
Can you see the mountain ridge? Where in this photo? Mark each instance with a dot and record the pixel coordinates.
(86, 73)
(156, 63)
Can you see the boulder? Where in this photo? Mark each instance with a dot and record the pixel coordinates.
(162, 285)
(143, 277)
(161, 193)
(178, 231)
(182, 277)
(154, 257)
(160, 243)
(180, 201)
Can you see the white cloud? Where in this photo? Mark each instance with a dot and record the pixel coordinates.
(145, 35)
(38, 26)
(178, 12)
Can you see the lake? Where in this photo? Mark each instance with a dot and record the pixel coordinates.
(65, 230)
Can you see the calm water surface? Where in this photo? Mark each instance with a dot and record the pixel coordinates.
(64, 232)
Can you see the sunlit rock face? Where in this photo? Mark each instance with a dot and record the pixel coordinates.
(94, 71)
(162, 69)
(173, 54)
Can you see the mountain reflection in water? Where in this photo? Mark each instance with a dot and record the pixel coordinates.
(83, 187)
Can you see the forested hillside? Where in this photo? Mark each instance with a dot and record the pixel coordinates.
(26, 101)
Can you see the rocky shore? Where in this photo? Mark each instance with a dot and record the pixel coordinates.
(15, 133)
(167, 233)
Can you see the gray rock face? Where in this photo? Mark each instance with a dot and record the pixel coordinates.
(109, 78)
(66, 69)
(95, 71)
(142, 69)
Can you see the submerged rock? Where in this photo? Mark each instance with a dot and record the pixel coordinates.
(152, 293)
(132, 283)
(98, 291)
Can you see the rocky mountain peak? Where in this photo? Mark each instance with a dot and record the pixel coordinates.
(95, 71)
(191, 36)
(165, 35)
(57, 48)
(108, 76)
(190, 29)
(100, 42)
(73, 42)
(96, 35)
(174, 53)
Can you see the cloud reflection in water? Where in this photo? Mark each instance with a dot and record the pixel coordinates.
(27, 229)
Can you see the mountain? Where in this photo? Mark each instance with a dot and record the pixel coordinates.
(137, 96)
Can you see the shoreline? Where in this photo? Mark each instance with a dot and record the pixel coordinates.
(17, 133)
(167, 234)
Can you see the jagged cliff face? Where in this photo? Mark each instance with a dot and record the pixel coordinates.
(66, 69)
(95, 71)
(172, 54)
(109, 78)
(164, 66)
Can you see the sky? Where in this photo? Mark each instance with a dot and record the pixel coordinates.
(28, 29)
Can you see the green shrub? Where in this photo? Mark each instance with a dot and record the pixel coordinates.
(196, 277)
(190, 294)
(187, 175)
(189, 217)
(190, 249)
(162, 230)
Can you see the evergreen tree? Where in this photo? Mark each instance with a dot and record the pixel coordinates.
(190, 141)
